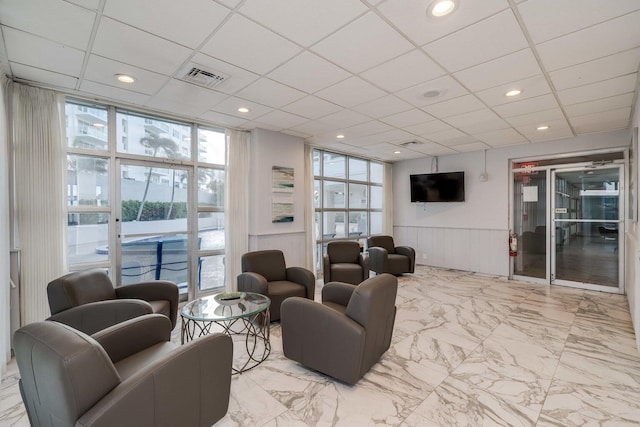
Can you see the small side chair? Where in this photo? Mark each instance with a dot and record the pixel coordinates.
(386, 257)
(345, 263)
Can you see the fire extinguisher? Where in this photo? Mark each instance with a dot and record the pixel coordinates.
(513, 244)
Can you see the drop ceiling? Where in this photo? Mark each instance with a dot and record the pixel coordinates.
(367, 70)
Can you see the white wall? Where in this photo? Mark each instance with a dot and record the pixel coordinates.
(473, 233)
(5, 348)
(268, 149)
(633, 252)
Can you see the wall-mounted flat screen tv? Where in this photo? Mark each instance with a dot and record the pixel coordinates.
(437, 187)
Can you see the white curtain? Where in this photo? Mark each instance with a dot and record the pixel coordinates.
(40, 169)
(387, 203)
(309, 209)
(236, 205)
(5, 235)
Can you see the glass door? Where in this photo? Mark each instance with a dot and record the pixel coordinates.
(587, 217)
(153, 238)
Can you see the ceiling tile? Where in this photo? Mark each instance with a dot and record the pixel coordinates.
(491, 38)
(35, 51)
(186, 23)
(238, 78)
(313, 128)
(43, 76)
(344, 118)
(407, 118)
(599, 105)
(531, 87)
(460, 140)
(350, 92)
(282, 119)
(516, 66)
(604, 89)
(270, 93)
(132, 46)
(452, 107)
(363, 44)
(312, 107)
(404, 71)
(428, 127)
(472, 146)
(87, 4)
(446, 85)
(250, 46)
(445, 136)
(410, 16)
(230, 106)
(600, 69)
(114, 93)
(294, 133)
(536, 118)
(198, 99)
(526, 106)
(501, 137)
(432, 149)
(610, 37)
(55, 20)
(600, 122)
(309, 73)
(558, 129)
(382, 107)
(222, 119)
(485, 126)
(548, 19)
(305, 21)
(391, 136)
(103, 70)
(471, 118)
(366, 129)
(230, 3)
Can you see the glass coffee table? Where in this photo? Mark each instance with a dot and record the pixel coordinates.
(238, 314)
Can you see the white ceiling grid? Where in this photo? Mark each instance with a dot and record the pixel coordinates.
(358, 68)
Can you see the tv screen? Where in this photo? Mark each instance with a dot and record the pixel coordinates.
(437, 187)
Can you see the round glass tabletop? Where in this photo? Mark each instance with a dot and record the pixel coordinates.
(225, 306)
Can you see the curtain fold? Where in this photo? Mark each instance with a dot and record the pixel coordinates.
(387, 202)
(309, 210)
(5, 235)
(40, 172)
(236, 204)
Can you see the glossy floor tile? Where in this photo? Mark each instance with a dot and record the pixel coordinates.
(467, 350)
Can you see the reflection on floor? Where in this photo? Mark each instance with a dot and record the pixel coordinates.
(584, 259)
(467, 350)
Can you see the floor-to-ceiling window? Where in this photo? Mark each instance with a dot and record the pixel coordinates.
(138, 188)
(348, 195)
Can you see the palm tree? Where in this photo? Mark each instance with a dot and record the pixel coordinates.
(155, 142)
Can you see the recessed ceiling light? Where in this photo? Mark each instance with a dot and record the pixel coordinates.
(340, 136)
(243, 109)
(441, 8)
(514, 92)
(543, 127)
(396, 152)
(125, 78)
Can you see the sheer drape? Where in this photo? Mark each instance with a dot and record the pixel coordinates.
(5, 244)
(309, 209)
(387, 203)
(236, 204)
(40, 165)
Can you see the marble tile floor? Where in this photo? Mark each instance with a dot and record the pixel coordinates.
(468, 350)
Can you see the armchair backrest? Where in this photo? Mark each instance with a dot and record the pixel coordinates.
(63, 372)
(372, 305)
(347, 252)
(79, 287)
(269, 264)
(385, 242)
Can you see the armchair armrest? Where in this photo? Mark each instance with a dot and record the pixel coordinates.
(363, 260)
(252, 282)
(326, 268)
(156, 290)
(124, 339)
(408, 252)
(200, 370)
(378, 259)
(95, 316)
(303, 277)
(322, 339)
(337, 292)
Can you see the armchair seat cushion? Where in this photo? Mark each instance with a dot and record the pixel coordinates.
(161, 307)
(335, 306)
(399, 264)
(347, 273)
(132, 364)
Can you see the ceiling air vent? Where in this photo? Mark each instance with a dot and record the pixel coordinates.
(406, 144)
(197, 74)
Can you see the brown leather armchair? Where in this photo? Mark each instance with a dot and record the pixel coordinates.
(345, 263)
(125, 375)
(87, 301)
(265, 272)
(385, 257)
(345, 335)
